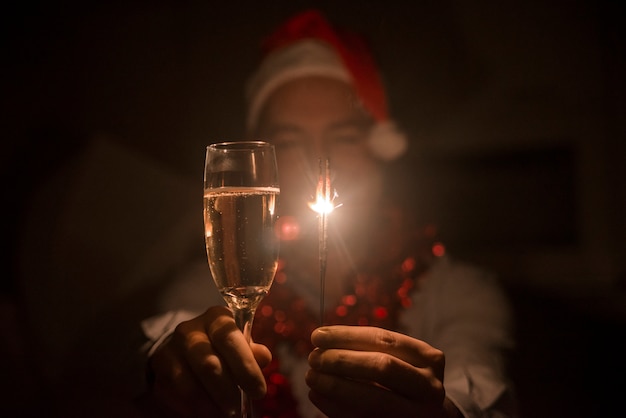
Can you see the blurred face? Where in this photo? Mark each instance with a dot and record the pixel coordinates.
(312, 118)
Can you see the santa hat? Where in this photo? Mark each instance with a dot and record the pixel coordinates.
(306, 45)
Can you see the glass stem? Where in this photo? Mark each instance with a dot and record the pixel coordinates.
(243, 319)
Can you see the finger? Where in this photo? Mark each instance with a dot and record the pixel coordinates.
(207, 367)
(382, 368)
(339, 397)
(262, 354)
(229, 342)
(413, 351)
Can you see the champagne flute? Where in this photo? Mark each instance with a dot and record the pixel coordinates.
(240, 197)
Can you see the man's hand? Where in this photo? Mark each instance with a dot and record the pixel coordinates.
(372, 372)
(199, 369)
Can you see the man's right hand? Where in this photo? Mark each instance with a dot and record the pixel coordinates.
(198, 370)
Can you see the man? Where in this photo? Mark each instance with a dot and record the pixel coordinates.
(424, 336)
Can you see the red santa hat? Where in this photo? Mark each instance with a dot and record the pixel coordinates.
(307, 45)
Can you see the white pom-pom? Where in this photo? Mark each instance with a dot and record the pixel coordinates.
(387, 142)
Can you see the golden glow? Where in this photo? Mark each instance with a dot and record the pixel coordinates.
(322, 205)
(325, 195)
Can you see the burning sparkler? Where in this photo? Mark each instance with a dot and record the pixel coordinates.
(323, 205)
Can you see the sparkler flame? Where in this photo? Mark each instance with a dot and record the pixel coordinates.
(324, 203)
(322, 206)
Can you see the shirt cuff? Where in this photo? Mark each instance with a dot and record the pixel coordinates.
(474, 391)
(159, 327)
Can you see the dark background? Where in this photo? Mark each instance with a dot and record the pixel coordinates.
(516, 114)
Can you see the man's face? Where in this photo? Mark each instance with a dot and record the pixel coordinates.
(312, 118)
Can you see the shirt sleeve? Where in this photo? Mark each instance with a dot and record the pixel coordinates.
(159, 327)
(465, 313)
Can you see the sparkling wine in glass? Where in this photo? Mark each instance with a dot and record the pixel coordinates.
(240, 201)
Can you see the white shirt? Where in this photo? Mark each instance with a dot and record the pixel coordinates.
(458, 309)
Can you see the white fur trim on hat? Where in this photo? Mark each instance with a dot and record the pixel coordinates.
(301, 59)
(314, 58)
(386, 141)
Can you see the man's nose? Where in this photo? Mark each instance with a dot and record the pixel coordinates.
(319, 150)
